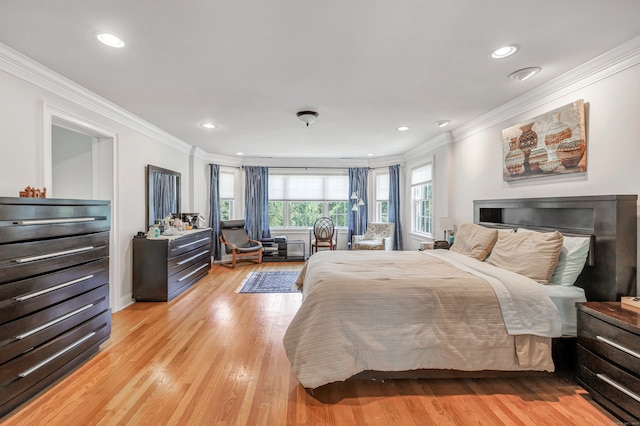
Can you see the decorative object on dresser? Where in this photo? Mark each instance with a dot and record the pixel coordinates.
(54, 291)
(609, 356)
(30, 192)
(165, 267)
(549, 144)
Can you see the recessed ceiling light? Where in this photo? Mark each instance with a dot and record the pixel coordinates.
(208, 125)
(239, 153)
(370, 155)
(110, 40)
(505, 51)
(403, 128)
(442, 123)
(525, 73)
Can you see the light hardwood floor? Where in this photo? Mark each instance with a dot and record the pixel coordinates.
(215, 357)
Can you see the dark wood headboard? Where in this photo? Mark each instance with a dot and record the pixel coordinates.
(610, 220)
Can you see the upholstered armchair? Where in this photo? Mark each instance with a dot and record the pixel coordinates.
(378, 236)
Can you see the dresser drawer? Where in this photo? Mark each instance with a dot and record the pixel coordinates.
(187, 277)
(608, 341)
(609, 381)
(23, 260)
(33, 366)
(19, 298)
(23, 222)
(185, 260)
(30, 331)
(190, 242)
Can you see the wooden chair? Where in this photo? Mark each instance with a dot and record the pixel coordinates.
(324, 233)
(237, 242)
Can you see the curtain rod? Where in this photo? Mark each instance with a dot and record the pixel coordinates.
(307, 167)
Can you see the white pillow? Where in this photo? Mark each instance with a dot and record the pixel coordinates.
(571, 260)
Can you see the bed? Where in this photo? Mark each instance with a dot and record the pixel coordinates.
(402, 314)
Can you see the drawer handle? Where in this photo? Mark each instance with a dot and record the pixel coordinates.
(58, 253)
(50, 289)
(618, 386)
(618, 346)
(46, 361)
(193, 272)
(194, 242)
(52, 322)
(192, 257)
(53, 221)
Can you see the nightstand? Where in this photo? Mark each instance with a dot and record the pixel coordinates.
(609, 356)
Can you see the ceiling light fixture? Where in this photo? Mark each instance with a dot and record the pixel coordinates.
(525, 73)
(110, 40)
(208, 125)
(239, 153)
(403, 128)
(442, 123)
(505, 51)
(307, 117)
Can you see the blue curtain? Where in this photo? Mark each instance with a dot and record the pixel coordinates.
(394, 205)
(256, 202)
(214, 210)
(358, 184)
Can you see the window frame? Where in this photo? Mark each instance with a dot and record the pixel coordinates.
(325, 201)
(414, 186)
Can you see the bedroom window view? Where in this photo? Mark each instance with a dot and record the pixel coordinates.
(227, 195)
(382, 197)
(421, 199)
(297, 201)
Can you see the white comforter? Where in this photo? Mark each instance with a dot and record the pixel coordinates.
(397, 311)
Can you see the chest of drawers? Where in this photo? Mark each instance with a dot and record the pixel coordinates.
(609, 356)
(54, 291)
(163, 268)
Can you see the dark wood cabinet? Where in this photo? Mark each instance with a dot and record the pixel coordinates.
(609, 356)
(54, 291)
(165, 267)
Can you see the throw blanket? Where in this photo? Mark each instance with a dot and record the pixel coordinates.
(398, 311)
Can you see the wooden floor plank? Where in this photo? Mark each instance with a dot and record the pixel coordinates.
(214, 356)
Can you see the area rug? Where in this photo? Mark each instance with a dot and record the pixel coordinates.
(270, 282)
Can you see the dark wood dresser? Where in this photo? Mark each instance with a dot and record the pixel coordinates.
(165, 267)
(54, 291)
(609, 356)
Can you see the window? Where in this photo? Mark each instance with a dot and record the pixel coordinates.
(421, 200)
(227, 195)
(297, 201)
(382, 197)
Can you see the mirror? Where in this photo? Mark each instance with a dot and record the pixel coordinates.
(163, 193)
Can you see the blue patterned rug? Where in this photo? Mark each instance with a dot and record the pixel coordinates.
(270, 282)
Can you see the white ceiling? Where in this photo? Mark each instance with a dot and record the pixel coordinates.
(366, 66)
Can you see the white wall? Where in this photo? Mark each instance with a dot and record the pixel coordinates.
(72, 164)
(613, 150)
(22, 139)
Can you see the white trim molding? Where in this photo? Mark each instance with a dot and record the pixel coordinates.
(25, 68)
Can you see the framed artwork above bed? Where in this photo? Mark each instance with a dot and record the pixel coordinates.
(553, 143)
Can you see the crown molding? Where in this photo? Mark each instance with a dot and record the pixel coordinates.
(25, 68)
(609, 63)
(429, 146)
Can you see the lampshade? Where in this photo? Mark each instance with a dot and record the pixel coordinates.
(446, 223)
(307, 117)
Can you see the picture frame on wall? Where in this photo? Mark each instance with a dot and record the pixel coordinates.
(550, 144)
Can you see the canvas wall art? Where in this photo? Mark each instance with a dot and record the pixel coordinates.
(553, 143)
